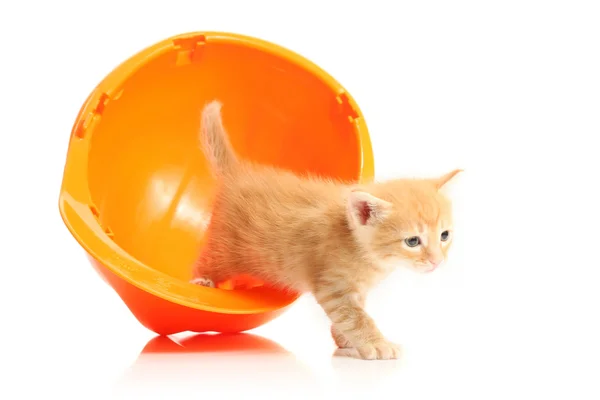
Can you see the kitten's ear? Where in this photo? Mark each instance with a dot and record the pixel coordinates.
(445, 182)
(365, 209)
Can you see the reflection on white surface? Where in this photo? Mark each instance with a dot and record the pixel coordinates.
(214, 363)
(244, 364)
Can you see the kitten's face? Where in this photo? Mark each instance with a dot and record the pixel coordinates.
(417, 233)
(409, 223)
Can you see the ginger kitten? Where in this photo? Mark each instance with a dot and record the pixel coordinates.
(332, 239)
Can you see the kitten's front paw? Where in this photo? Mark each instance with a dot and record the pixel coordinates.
(381, 350)
(203, 281)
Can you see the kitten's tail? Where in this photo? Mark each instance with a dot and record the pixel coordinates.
(215, 141)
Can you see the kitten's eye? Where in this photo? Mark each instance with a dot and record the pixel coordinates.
(445, 235)
(412, 241)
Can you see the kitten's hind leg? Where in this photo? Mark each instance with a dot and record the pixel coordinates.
(203, 271)
(203, 281)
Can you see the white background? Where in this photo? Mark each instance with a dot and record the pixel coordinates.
(507, 90)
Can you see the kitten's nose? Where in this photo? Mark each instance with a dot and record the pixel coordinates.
(435, 262)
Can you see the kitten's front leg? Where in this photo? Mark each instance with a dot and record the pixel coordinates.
(340, 340)
(349, 318)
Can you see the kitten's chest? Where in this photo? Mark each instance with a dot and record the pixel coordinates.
(385, 267)
(377, 272)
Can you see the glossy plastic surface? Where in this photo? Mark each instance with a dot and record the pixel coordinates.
(136, 190)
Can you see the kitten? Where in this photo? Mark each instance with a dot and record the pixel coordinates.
(332, 239)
